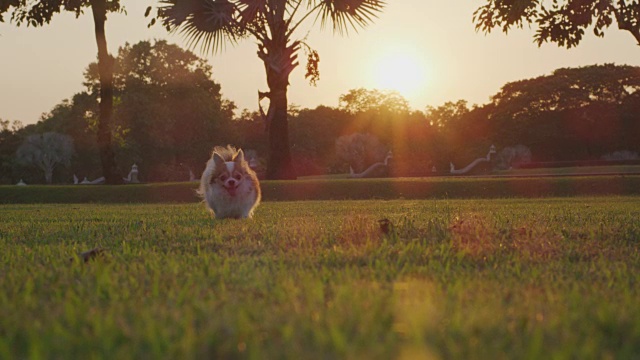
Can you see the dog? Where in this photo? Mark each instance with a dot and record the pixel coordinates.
(229, 187)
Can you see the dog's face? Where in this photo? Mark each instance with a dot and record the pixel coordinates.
(229, 174)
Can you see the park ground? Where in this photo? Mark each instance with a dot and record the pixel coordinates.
(473, 272)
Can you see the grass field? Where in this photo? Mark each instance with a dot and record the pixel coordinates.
(551, 278)
(573, 170)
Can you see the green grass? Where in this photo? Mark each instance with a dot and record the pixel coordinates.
(573, 170)
(468, 279)
(340, 189)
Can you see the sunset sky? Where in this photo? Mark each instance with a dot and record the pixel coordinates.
(427, 50)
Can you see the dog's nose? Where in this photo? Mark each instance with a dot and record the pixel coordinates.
(232, 182)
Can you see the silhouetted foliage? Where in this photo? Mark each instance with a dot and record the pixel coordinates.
(561, 22)
(572, 114)
(9, 142)
(358, 101)
(313, 136)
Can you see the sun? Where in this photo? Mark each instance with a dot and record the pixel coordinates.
(400, 71)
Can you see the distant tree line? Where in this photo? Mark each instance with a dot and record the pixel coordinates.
(169, 113)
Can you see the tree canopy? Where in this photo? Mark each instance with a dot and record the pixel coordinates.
(560, 22)
(364, 100)
(41, 12)
(570, 114)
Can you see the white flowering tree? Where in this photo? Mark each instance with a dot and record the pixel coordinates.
(513, 156)
(360, 150)
(46, 151)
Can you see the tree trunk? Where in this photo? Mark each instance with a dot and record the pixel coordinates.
(280, 164)
(105, 70)
(279, 60)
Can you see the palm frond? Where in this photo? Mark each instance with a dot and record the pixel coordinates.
(345, 14)
(206, 22)
(251, 9)
(176, 12)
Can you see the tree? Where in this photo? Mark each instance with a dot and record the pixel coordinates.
(76, 117)
(46, 151)
(272, 23)
(169, 112)
(9, 143)
(513, 156)
(360, 151)
(313, 136)
(572, 114)
(561, 22)
(387, 115)
(381, 113)
(363, 100)
(462, 132)
(40, 12)
(447, 113)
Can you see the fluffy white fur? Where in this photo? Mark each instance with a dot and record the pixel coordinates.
(229, 187)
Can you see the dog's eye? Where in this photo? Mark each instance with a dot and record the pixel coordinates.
(224, 177)
(237, 176)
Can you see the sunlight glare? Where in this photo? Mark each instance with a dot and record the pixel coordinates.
(402, 72)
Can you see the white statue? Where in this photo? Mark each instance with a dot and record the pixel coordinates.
(132, 178)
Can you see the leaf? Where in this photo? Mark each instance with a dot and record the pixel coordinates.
(203, 22)
(349, 13)
(313, 61)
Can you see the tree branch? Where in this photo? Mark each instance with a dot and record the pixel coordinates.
(627, 24)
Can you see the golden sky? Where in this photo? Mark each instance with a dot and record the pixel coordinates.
(427, 50)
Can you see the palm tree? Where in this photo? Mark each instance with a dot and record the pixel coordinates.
(273, 23)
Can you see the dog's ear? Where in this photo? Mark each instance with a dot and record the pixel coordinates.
(239, 159)
(218, 161)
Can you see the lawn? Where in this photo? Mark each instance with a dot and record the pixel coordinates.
(573, 170)
(445, 278)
